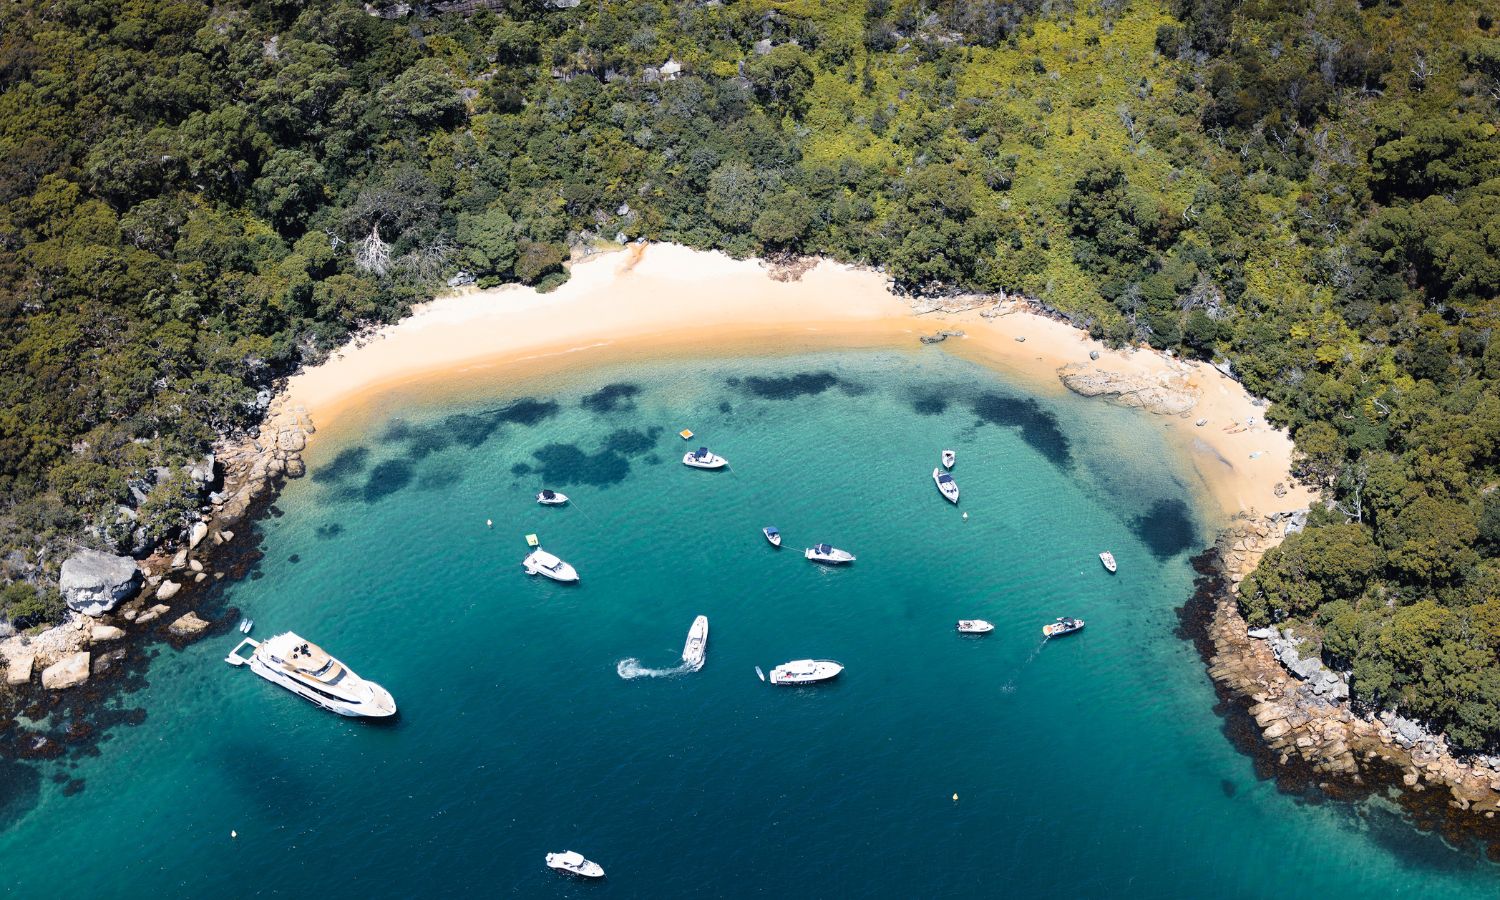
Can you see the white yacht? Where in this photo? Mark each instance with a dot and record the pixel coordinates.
(828, 555)
(574, 864)
(1063, 625)
(772, 535)
(804, 671)
(945, 485)
(540, 562)
(697, 645)
(308, 671)
(702, 459)
(1109, 560)
(551, 498)
(949, 458)
(974, 626)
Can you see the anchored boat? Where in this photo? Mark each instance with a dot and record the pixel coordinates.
(540, 562)
(308, 671)
(945, 485)
(551, 498)
(694, 651)
(974, 626)
(573, 863)
(1109, 560)
(772, 535)
(828, 555)
(702, 459)
(949, 458)
(804, 671)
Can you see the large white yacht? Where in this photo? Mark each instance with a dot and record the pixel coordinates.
(540, 562)
(702, 459)
(697, 645)
(828, 555)
(805, 671)
(946, 485)
(308, 671)
(573, 863)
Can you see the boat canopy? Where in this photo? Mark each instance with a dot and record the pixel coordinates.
(700, 453)
(771, 529)
(823, 548)
(945, 479)
(548, 494)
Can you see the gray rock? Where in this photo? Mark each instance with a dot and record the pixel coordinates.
(1262, 634)
(1407, 731)
(1307, 669)
(94, 583)
(202, 471)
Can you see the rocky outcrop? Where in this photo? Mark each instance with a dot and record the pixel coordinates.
(188, 625)
(167, 590)
(1168, 394)
(71, 671)
(94, 583)
(18, 668)
(101, 633)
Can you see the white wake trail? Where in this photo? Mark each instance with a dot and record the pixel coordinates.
(631, 668)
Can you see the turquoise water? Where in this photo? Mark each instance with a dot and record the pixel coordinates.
(1090, 766)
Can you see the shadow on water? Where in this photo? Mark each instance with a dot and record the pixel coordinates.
(1038, 427)
(611, 398)
(1167, 528)
(349, 462)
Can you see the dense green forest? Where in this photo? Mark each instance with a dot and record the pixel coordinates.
(198, 198)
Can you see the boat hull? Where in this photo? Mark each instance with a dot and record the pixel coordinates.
(949, 489)
(806, 672)
(375, 709)
(695, 651)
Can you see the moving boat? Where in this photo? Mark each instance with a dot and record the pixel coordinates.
(540, 562)
(702, 459)
(772, 535)
(949, 458)
(551, 498)
(828, 555)
(574, 864)
(697, 645)
(974, 626)
(946, 485)
(308, 671)
(1063, 625)
(805, 671)
(1109, 560)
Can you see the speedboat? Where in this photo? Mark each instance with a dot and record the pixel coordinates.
(1109, 560)
(805, 671)
(1063, 625)
(974, 626)
(949, 458)
(551, 498)
(772, 535)
(574, 864)
(946, 485)
(828, 555)
(702, 459)
(540, 562)
(697, 645)
(308, 671)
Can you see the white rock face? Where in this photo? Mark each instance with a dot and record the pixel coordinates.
(196, 535)
(94, 583)
(71, 671)
(168, 590)
(100, 633)
(18, 668)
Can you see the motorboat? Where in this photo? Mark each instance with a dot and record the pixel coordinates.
(696, 647)
(551, 498)
(949, 458)
(974, 626)
(540, 562)
(702, 459)
(828, 555)
(1109, 560)
(1063, 625)
(574, 864)
(308, 671)
(772, 535)
(946, 485)
(804, 671)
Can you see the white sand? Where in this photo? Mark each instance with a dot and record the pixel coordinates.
(664, 300)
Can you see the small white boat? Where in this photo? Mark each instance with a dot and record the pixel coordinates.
(805, 671)
(1063, 625)
(1109, 560)
(540, 562)
(702, 459)
(574, 864)
(828, 555)
(696, 648)
(551, 498)
(772, 535)
(246, 625)
(945, 485)
(974, 626)
(949, 458)
(308, 671)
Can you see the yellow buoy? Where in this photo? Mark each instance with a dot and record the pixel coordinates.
(686, 434)
(531, 540)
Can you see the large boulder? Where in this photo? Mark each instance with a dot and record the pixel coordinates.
(94, 583)
(18, 668)
(188, 625)
(70, 671)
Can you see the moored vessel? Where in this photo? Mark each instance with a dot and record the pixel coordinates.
(308, 671)
(540, 562)
(703, 459)
(551, 498)
(804, 671)
(949, 458)
(1109, 560)
(1063, 625)
(696, 648)
(945, 485)
(828, 555)
(772, 535)
(974, 626)
(573, 863)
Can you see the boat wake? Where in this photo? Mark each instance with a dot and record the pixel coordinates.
(631, 668)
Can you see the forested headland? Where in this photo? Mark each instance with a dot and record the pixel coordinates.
(196, 199)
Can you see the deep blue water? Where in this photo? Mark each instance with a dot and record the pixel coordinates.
(1090, 766)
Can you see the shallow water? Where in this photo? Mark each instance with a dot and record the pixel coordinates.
(1086, 766)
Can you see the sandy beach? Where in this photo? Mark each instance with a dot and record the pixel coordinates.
(662, 300)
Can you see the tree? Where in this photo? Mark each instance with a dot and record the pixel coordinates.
(487, 241)
(1308, 569)
(1431, 540)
